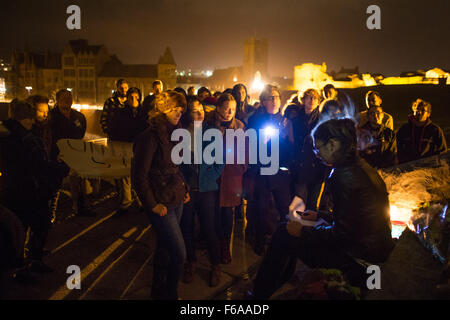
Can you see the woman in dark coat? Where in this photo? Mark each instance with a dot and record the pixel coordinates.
(162, 191)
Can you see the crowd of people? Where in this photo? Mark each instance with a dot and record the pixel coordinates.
(327, 170)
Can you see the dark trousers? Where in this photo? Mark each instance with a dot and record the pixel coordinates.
(278, 187)
(170, 253)
(226, 224)
(37, 217)
(314, 247)
(204, 204)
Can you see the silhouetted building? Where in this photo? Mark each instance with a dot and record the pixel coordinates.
(256, 58)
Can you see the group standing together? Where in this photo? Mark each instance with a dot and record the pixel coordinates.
(326, 170)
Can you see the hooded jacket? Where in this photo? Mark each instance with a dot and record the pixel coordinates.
(415, 141)
(154, 176)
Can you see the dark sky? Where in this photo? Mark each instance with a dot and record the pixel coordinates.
(208, 34)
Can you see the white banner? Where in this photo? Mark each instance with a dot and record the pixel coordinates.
(97, 158)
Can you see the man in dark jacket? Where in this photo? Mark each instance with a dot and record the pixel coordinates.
(126, 124)
(306, 119)
(360, 222)
(420, 138)
(268, 117)
(116, 102)
(378, 143)
(28, 178)
(67, 123)
(157, 88)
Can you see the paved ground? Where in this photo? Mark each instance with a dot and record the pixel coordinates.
(115, 255)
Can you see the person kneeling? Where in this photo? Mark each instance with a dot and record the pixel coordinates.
(360, 224)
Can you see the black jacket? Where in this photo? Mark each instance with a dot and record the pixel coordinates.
(111, 105)
(28, 177)
(262, 119)
(361, 221)
(73, 127)
(415, 142)
(127, 123)
(154, 176)
(302, 126)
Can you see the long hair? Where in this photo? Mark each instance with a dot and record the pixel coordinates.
(186, 118)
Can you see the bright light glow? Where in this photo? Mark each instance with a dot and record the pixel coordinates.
(269, 131)
(209, 73)
(235, 79)
(257, 84)
(29, 88)
(402, 214)
(79, 107)
(69, 89)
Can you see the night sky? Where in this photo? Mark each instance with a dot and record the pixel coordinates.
(208, 34)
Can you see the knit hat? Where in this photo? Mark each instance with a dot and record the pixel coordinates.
(20, 110)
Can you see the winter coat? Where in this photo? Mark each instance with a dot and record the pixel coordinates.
(111, 105)
(262, 119)
(302, 126)
(382, 150)
(230, 188)
(44, 131)
(127, 123)
(73, 127)
(415, 142)
(154, 176)
(28, 177)
(360, 217)
(202, 177)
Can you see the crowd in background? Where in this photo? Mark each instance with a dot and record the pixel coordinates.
(176, 197)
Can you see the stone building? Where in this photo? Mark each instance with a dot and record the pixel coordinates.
(81, 65)
(256, 57)
(33, 73)
(87, 70)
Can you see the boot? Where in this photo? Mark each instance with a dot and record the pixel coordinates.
(40, 267)
(214, 279)
(225, 252)
(189, 270)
